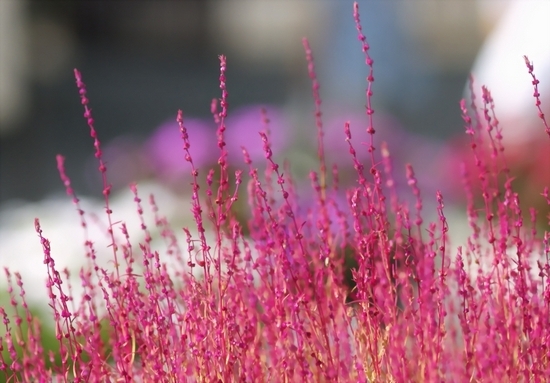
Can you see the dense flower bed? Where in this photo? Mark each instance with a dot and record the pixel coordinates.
(270, 299)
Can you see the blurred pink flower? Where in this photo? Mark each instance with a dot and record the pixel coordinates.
(243, 127)
(405, 148)
(165, 147)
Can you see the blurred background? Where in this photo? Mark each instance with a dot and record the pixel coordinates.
(144, 60)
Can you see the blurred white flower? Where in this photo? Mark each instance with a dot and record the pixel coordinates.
(21, 250)
(524, 29)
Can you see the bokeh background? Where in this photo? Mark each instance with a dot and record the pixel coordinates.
(144, 60)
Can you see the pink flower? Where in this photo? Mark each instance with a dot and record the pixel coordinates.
(165, 148)
(243, 127)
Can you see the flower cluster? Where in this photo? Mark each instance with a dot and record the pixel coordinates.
(310, 288)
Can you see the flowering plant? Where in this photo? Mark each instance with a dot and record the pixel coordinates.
(273, 305)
